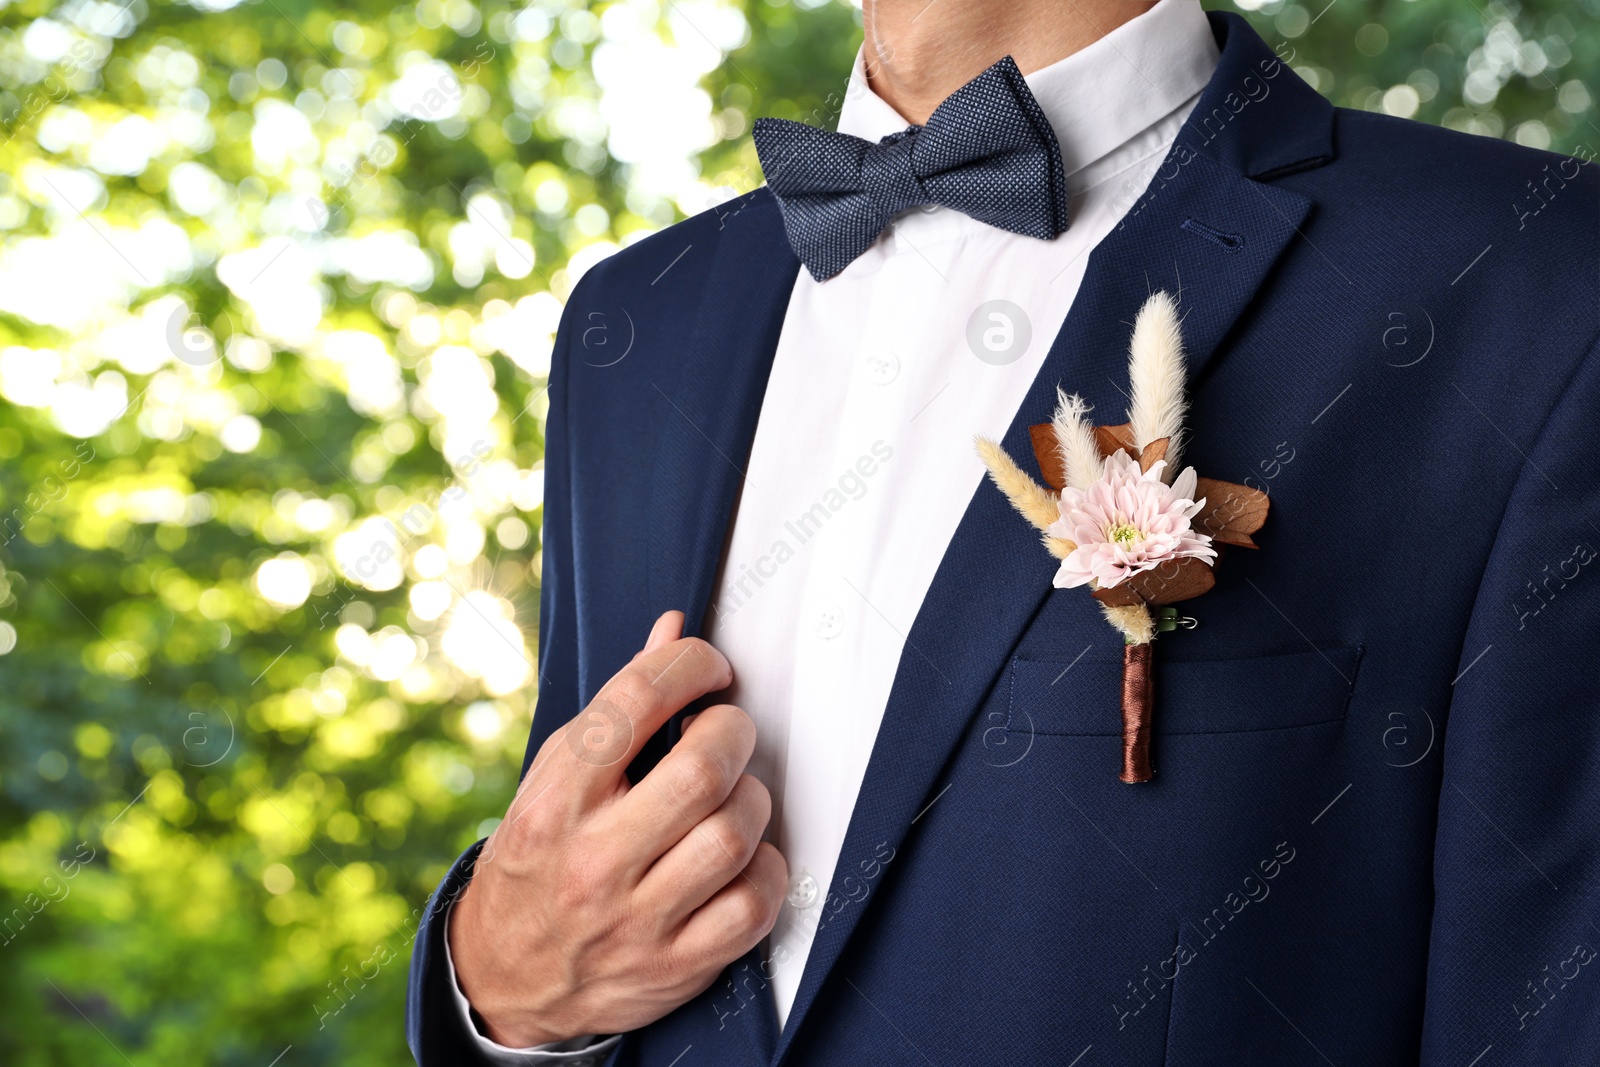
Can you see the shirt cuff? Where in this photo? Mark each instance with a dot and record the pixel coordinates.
(585, 1051)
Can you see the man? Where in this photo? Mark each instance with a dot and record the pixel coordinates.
(1370, 838)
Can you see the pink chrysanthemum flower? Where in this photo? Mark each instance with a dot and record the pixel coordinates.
(1126, 523)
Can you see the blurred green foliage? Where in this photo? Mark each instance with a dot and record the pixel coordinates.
(277, 288)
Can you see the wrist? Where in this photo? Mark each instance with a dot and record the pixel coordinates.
(496, 993)
(520, 1034)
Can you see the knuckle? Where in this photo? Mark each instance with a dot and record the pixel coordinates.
(726, 841)
(698, 779)
(751, 910)
(529, 824)
(634, 693)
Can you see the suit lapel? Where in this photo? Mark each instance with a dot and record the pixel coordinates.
(1205, 229)
(711, 401)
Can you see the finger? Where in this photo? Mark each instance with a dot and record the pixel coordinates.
(691, 781)
(603, 738)
(710, 855)
(667, 628)
(735, 920)
(593, 736)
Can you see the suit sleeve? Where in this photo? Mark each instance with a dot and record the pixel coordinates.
(439, 1026)
(558, 602)
(1513, 970)
(437, 1030)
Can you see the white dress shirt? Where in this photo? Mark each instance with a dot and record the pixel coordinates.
(863, 462)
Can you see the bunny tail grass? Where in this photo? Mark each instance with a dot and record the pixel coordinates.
(1133, 621)
(1033, 501)
(1059, 547)
(1080, 456)
(1156, 373)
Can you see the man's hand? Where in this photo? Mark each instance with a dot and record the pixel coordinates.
(598, 908)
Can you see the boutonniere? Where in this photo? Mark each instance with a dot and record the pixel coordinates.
(1123, 519)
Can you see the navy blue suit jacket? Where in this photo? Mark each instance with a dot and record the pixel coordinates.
(1371, 839)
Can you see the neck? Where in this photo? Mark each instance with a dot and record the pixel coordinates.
(918, 52)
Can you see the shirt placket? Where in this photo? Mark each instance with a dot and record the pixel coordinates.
(847, 624)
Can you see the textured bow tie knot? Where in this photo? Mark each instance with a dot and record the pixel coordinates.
(988, 151)
(888, 175)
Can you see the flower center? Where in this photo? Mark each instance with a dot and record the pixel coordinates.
(1124, 534)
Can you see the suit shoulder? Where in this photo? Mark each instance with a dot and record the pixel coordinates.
(1489, 243)
(648, 263)
(1444, 166)
(1422, 204)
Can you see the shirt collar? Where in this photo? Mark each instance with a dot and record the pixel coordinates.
(1099, 97)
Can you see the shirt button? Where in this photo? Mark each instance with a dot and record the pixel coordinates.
(829, 622)
(803, 892)
(883, 368)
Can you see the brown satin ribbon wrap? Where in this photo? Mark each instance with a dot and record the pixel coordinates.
(1138, 705)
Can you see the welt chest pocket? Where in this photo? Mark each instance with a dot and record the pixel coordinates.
(1281, 692)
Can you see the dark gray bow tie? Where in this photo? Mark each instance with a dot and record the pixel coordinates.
(988, 152)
